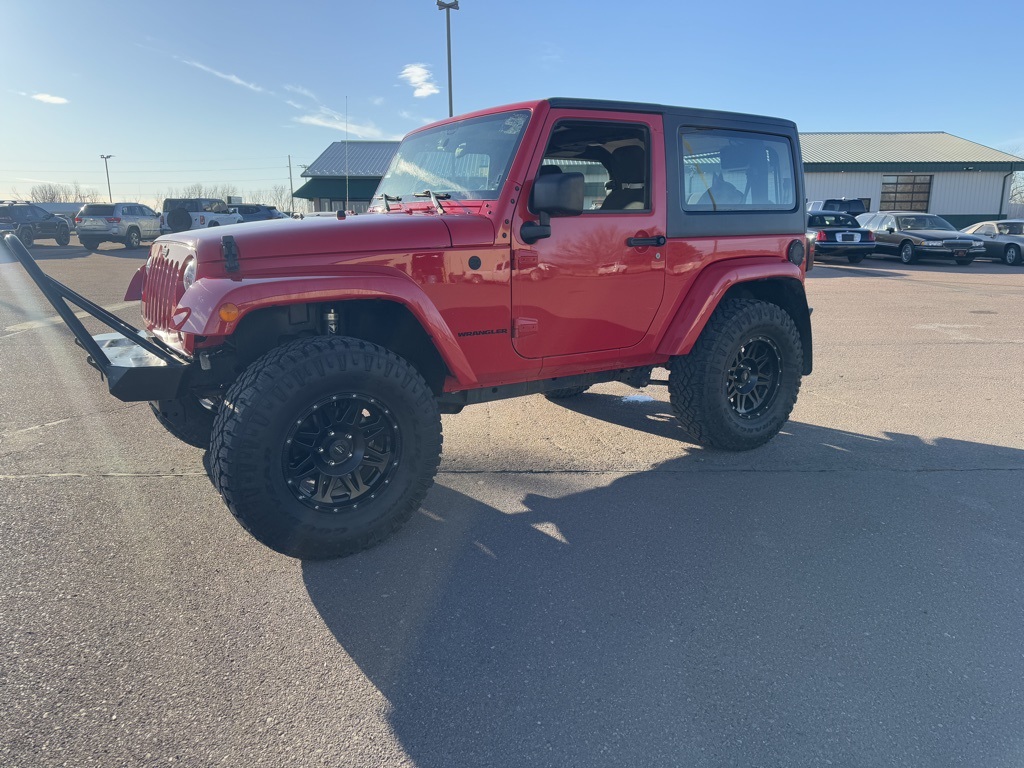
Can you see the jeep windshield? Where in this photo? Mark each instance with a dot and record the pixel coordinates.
(468, 159)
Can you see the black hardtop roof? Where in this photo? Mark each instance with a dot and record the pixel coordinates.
(635, 106)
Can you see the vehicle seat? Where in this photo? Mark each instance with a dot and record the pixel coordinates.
(629, 174)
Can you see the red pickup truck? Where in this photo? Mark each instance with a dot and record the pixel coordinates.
(540, 247)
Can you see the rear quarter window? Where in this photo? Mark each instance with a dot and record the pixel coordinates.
(97, 210)
(724, 170)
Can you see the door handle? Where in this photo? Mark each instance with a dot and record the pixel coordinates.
(637, 242)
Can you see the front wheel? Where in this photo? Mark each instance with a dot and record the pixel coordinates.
(907, 253)
(739, 384)
(325, 446)
(1011, 256)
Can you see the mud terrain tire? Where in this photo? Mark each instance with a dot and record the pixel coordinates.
(185, 418)
(326, 446)
(740, 381)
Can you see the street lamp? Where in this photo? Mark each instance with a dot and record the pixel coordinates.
(105, 158)
(448, 8)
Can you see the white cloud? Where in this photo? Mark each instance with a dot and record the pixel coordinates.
(328, 118)
(291, 103)
(223, 76)
(302, 92)
(377, 101)
(48, 99)
(421, 80)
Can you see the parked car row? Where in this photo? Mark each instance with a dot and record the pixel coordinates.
(127, 223)
(911, 236)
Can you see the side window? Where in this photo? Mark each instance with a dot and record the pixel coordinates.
(147, 211)
(887, 222)
(614, 159)
(986, 229)
(34, 214)
(736, 171)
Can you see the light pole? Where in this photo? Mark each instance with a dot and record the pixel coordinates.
(448, 8)
(105, 158)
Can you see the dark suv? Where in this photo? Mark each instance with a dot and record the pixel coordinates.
(31, 223)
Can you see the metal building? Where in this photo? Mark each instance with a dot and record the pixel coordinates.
(937, 172)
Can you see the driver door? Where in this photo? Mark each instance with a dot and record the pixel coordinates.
(596, 283)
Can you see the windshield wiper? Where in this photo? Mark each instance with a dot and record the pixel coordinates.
(388, 198)
(434, 198)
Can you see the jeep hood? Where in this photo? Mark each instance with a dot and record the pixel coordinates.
(327, 237)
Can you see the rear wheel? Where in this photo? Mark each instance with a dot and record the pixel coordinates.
(63, 236)
(565, 392)
(133, 239)
(26, 236)
(907, 253)
(1011, 255)
(739, 384)
(325, 446)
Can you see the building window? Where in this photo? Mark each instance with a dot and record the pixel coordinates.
(905, 193)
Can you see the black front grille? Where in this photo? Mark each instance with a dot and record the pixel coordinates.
(163, 290)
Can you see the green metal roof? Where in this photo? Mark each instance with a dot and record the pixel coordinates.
(899, 148)
(358, 189)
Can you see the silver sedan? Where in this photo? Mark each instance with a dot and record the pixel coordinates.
(1004, 240)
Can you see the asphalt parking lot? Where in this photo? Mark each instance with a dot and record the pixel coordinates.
(581, 588)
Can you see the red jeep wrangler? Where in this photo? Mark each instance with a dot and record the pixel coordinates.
(536, 248)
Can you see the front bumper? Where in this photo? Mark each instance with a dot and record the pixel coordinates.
(937, 252)
(136, 366)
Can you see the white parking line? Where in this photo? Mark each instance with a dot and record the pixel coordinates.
(55, 320)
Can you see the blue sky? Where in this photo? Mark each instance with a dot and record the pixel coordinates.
(221, 93)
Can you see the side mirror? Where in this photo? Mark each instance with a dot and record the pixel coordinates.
(890, 230)
(559, 194)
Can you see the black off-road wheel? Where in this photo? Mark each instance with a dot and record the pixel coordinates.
(133, 239)
(187, 419)
(27, 236)
(326, 446)
(63, 236)
(565, 392)
(179, 220)
(740, 381)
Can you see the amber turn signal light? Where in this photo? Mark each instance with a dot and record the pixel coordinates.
(229, 312)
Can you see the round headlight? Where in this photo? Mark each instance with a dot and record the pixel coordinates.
(189, 275)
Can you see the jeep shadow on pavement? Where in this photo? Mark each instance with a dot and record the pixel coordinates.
(313, 359)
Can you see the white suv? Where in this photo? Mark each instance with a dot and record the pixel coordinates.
(128, 223)
(181, 214)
